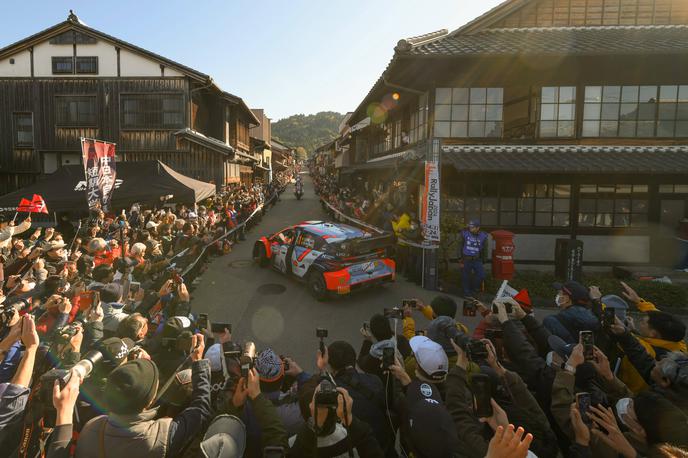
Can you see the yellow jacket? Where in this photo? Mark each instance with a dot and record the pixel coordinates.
(627, 372)
(409, 324)
(403, 224)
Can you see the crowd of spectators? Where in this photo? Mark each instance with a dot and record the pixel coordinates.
(103, 356)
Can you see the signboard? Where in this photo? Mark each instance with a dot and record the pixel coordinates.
(100, 170)
(430, 212)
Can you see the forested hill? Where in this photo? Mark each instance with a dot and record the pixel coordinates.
(308, 131)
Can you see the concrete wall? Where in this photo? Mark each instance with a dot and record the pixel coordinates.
(596, 248)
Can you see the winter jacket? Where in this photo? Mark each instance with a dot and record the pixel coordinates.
(636, 377)
(262, 418)
(358, 435)
(569, 322)
(403, 224)
(642, 362)
(8, 232)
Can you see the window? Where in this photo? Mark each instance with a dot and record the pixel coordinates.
(23, 129)
(673, 188)
(419, 119)
(75, 111)
(63, 65)
(620, 205)
(87, 65)
(152, 111)
(512, 204)
(635, 111)
(468, 112)
(558, 111)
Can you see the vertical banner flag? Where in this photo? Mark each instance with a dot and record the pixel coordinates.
(100, 170)
(430, 216)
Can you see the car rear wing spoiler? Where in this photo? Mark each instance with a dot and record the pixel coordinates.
(368, 245)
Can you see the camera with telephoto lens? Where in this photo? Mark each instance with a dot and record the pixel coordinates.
(475, 350)
(83, 369)
(248, 357)
(175, 274)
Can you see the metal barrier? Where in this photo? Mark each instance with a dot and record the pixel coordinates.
(204, 252)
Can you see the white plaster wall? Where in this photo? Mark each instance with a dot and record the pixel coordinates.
(132, 64)
(596, 248)
(21, 66)
(42, 58)
(107, 57)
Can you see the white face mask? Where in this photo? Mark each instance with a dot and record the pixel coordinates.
(623, 406)
(559, 300)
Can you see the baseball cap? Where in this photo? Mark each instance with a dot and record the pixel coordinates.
(131, 387)
(430, 357)
(474, 223)
(559, 346)
(116, 350)
(431, 426)
(442, 330)
(225, 438)
(613, 301)
(575, 290)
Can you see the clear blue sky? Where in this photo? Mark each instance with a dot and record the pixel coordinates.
(287, 56)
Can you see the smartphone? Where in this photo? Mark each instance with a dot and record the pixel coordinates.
(387, 358)
(583, 403)
(588, 341)
(366, 326)
(219, 328)
(134, 288)
(608, 317)
(410, 302)
(482, 394)
(470, 306)
(202, 321)
(321, 333)
(509, 308)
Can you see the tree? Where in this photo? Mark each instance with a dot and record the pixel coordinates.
(309, 131)
(301, 154)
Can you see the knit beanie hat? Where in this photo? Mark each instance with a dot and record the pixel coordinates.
(444, 306)
(131, 387)
(380, 328)
(112, 292)
(269, 366)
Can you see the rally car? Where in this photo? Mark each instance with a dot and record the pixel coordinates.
(331, 258)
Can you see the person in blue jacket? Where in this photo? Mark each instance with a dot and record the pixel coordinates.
(472, 255)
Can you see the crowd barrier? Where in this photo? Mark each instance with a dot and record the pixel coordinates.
(191, 270)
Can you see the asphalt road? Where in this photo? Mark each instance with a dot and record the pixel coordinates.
(278, 312)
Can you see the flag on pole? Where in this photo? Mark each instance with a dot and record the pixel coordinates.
(24, 206)
(38, 204)
(100, 170)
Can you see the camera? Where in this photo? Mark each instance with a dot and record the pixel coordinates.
(409, 302)
(248, 356)
(475, 350)
(66, 332)
(123, 264)
(6, 316)
(320, 333)
(470, 306)
(396, 313)
(327, 396)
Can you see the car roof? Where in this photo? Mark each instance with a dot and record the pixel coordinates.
(333, 232)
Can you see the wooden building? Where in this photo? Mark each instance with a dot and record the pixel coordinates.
(261, 140)
(72, 81)
(550, 118)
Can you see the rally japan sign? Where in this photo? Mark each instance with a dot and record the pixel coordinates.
(430, 216)
(100, 170)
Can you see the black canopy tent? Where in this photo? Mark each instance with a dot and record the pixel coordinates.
(137, 182)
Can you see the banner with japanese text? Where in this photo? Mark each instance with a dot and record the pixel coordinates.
(430, 214)
(101, 172)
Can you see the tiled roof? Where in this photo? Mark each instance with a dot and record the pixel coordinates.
(592, 159)
(558, 40)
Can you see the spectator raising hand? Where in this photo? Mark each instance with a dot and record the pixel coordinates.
(507, 443)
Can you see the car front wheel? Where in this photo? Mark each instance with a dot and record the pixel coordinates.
(261, 256)
(317, 286)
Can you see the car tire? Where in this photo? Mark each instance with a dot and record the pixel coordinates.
(261, 256)
(317, 286)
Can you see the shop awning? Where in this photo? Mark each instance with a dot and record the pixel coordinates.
(412, 157)
(569, 159)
